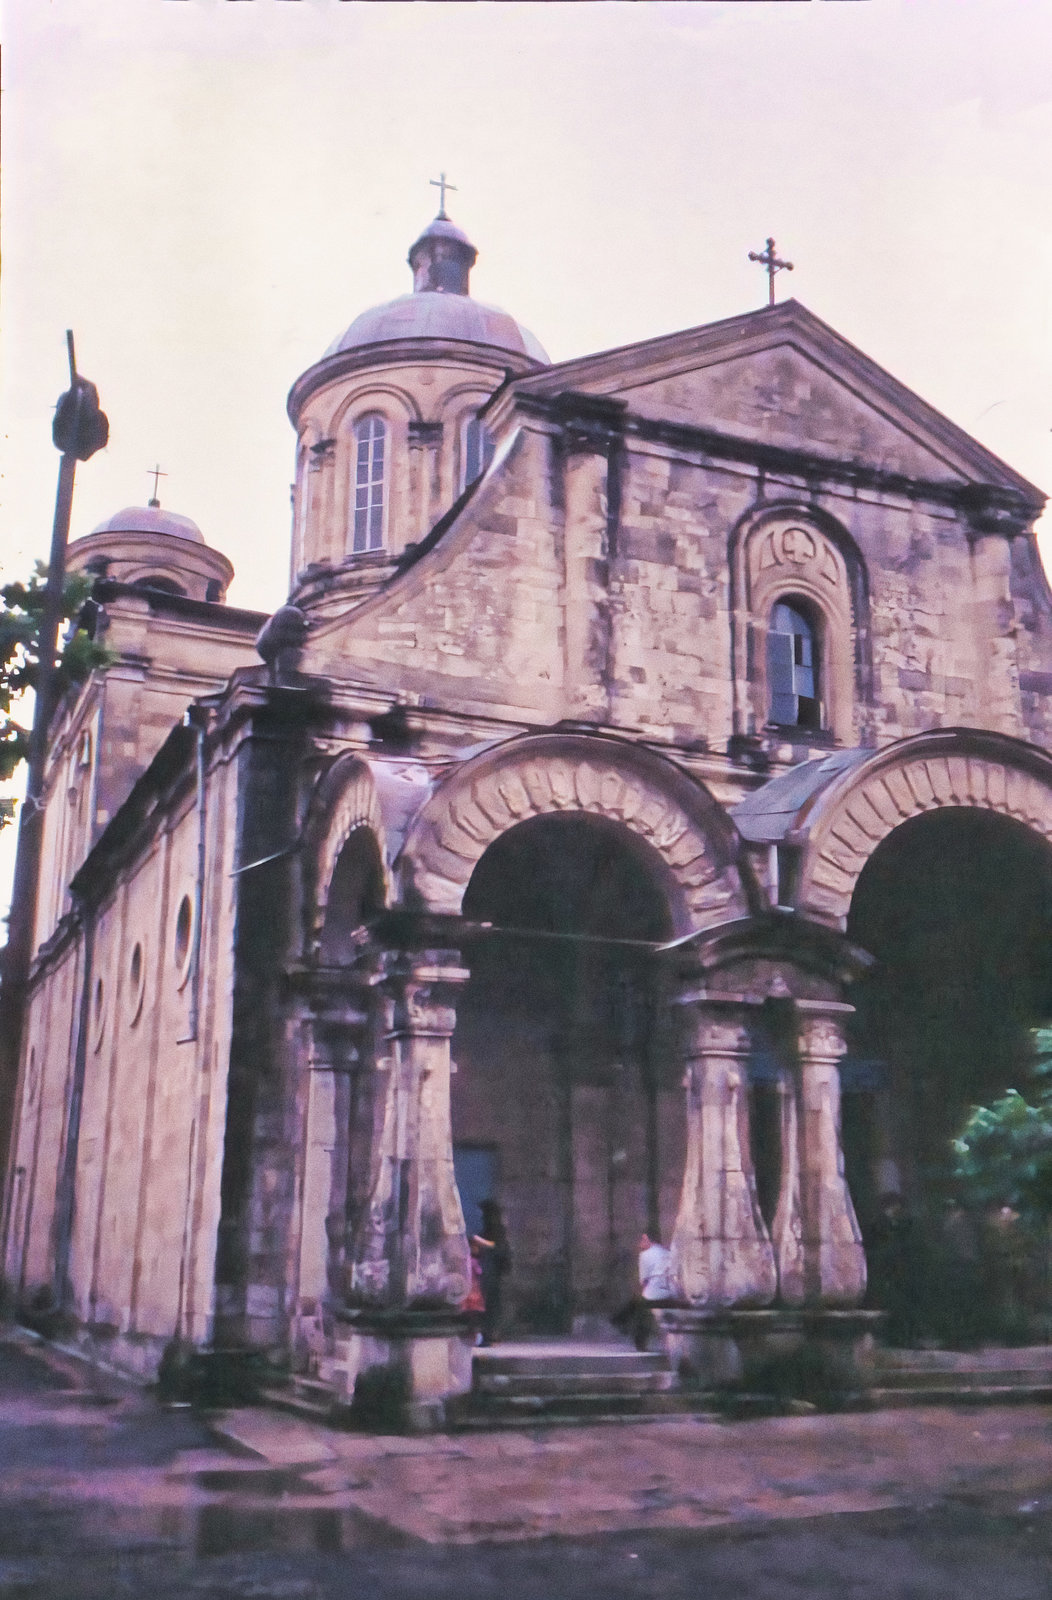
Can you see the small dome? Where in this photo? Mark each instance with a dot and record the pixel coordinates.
(442, 228)
(432, 315)
(151, 519)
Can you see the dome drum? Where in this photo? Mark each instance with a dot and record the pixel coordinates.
(153, 559)
(388, 426)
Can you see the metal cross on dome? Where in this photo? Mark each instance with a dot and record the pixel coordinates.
(441, 184)
(156, 474)
(771, 263)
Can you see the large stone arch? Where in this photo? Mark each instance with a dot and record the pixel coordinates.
(845, 822)
(691, 841)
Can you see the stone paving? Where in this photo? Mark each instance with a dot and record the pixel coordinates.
(105, 1495)
(673, 1473)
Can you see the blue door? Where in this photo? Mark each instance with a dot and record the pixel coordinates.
(477, 1171)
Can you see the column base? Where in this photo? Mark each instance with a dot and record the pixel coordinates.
(397, 1369)
(822, 1356)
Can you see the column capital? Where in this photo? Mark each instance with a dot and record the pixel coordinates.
(718, 1023)
(420, 988)
(724, 1036)
(820, 1030)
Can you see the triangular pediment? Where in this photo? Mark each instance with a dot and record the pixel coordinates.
(782, 377)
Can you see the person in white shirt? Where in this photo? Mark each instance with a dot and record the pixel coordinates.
(656, 1289)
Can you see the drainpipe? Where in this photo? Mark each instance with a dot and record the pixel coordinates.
(197, 718)
(68, 1176)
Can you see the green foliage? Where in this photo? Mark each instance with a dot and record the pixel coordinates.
(1003, 1156)
(21, 614)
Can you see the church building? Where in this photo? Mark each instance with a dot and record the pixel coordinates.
(639, 814)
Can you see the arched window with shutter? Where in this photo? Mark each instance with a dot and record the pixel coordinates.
(370, 467)
(793, 668)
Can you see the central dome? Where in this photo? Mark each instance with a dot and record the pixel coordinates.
(431, 314)
(440, 306)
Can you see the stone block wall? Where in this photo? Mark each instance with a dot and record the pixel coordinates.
(148, 1152)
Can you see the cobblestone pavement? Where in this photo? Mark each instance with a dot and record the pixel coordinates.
(105, 1495)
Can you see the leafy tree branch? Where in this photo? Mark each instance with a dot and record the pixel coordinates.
(1003, 1156)
(21, 614)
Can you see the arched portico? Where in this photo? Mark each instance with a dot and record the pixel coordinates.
(841, 824)
(935, 855)
(571, 940)
(694, 842)
(572, 859)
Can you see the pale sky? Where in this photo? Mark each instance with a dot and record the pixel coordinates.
(208, 191)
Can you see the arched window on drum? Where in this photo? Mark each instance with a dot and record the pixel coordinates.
(370, 477)
(476, 451)
(794, 667)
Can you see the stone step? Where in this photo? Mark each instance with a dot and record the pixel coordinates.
(480, 1411)
(314, 1407)
(627, 1363)
(947, 1378)
(589, 1380)
(973, 1394)
(1024, 1358)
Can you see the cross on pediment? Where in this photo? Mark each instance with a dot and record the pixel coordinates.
(770, 262)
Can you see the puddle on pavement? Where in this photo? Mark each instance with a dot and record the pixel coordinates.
(223, 1530)
(212, 1512)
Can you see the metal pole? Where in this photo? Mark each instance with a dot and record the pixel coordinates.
(18, 955)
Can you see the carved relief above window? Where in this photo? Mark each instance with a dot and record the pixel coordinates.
(795, 629)
(796, 550)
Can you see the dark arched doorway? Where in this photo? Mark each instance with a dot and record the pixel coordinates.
(956, 907)
(565, 1101)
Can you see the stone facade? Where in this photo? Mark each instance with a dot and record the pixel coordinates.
(527, 860)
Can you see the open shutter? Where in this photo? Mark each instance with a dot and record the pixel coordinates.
(783, 706)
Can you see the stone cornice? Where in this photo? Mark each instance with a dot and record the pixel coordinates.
(214, 613)
(988, 507)
(402, 353)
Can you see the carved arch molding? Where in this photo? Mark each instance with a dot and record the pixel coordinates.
(859, 811)
(345, 801)
(692, 840)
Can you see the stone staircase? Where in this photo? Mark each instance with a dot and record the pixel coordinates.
(315, 1399)
(532, 1381)
(969, 1377)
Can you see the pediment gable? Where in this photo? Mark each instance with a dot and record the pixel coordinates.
(782, 377)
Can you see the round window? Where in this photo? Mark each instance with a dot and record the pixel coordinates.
(136, 982)
(98, 1012)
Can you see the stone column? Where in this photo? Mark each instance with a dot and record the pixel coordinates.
(721, 1254)
(834, 1267)
(787, 1228)
(336, 1032)
(411, 1249)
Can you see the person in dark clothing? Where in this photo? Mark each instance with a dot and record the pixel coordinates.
(495, 1261)
(898, 1280)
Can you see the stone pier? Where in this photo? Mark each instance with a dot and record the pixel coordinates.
(402, 1345)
